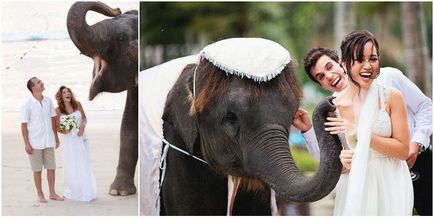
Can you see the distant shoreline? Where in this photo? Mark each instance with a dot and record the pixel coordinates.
(32, 36)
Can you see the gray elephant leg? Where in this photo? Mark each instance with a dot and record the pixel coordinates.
(123, 183)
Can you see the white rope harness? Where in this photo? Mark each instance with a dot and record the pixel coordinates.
(194, 82)
(163, 161)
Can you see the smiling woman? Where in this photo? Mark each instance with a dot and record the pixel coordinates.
(376, 179)
(361, 59)
(79, 180)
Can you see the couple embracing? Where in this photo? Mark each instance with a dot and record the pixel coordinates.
(384, 123)
(40, 122)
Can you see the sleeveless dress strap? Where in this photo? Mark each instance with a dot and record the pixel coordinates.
(384, 93)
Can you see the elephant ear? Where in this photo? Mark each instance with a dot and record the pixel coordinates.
(177, 112)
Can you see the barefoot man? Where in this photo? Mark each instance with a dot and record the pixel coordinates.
(40, 136)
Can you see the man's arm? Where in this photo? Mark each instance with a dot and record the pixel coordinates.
(25, 133)
(417, 103)
(302, 122)
(312, 143)
(54, 128)
(54, 121)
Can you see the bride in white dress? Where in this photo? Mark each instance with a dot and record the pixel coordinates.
(375, 178)
(79, 181)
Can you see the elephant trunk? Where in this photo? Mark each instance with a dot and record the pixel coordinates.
(278, 168)
(86, 37)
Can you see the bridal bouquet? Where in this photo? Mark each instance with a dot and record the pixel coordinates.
(68, 123)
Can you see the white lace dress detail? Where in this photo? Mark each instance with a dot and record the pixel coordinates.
(79, 181)
(389, 189)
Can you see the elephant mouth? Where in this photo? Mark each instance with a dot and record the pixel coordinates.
(248, 183)
(252, 184)
(99, 66)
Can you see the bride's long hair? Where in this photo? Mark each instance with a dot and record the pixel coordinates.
(60, 102)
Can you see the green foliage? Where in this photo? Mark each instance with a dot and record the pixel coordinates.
(303, 159)
(427, 6)
(181, 28)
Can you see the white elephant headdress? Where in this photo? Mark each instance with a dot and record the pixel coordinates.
(255, 58)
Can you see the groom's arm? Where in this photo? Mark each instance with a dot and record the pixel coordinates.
(54, 123)
(54, 129)
(25, 133)
(25, 117)
(312, 143)
(302, 122)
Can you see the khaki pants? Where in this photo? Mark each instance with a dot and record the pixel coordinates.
(42, 157)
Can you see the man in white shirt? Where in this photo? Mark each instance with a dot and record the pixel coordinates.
(38, 128)
(322, 66)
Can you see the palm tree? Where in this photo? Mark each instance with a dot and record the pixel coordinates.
(416, 51)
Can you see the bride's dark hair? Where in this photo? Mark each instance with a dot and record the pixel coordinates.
(352, 49)
(60, 102)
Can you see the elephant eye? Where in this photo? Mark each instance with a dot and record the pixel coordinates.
(230, 118)
(231, 125)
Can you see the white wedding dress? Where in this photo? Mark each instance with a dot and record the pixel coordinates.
(388, 189)
(79, 181)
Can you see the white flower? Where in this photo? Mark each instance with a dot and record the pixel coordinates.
(68, 122)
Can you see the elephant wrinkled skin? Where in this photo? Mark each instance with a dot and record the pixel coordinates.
(241, 129)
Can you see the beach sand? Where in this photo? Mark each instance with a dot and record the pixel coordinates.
(56, 62)
(18, 190)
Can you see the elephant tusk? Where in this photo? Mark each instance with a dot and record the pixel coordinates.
(99, 65)
(233, 184)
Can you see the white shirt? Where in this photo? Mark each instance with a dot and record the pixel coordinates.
(38, 116)
(419, 109)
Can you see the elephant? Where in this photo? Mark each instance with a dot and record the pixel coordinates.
(240, 128)
(112, 44)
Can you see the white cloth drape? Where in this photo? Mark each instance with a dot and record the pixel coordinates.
(357, 174)
(155, 84)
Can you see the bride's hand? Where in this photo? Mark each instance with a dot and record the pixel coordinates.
(337, 125)
(80, 132)
(346, 157)
(66, 131)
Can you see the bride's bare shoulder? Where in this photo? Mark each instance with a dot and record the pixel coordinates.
(394, 98)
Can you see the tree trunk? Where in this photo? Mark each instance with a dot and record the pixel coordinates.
(344, 21)
(416, 51)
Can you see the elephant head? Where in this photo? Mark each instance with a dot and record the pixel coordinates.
(241, 127)
(111, 43)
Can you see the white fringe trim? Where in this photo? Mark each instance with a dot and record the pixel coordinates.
(249, 75)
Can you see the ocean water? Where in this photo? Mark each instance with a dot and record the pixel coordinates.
(35, 42)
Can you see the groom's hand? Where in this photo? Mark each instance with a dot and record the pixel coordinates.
(57, 141)
(29, 149)
(412, 155)
(301, 120)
